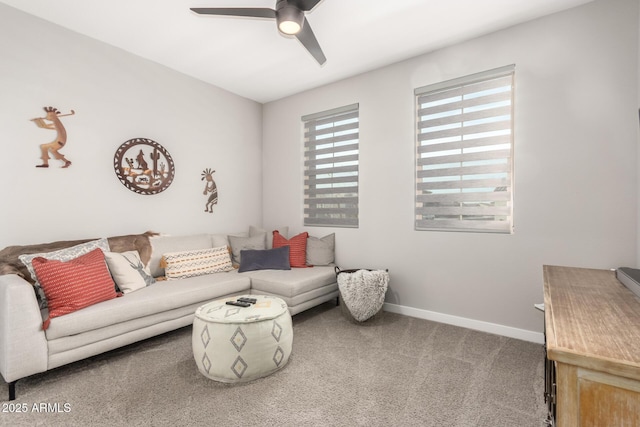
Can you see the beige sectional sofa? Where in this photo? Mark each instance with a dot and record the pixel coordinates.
(26, 348)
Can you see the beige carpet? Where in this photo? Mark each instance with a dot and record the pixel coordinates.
(391, 371)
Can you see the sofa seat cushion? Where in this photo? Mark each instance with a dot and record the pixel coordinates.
(289, 283)
(159, 297)
(120, 331)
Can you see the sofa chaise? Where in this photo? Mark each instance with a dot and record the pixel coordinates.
(34, 339)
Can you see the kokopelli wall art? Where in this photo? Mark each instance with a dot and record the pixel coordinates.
(52, 121)
(144, 166)
(210, 189)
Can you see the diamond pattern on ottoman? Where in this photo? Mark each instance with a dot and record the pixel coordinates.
(238, 344)
(276, 331)
(205, 336)
(238, 339)
(206, 363)
(278, 356)
(231, 312)
(239, 367)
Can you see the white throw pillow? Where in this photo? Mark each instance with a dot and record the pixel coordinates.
(128, 271)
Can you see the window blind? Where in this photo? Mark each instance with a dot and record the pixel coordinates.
(464, 153)
(331, 140)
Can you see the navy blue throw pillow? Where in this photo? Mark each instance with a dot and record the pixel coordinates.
(265, 259)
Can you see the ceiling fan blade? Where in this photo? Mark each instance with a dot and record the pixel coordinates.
(307, 5)
(254, 12)
(308, 40)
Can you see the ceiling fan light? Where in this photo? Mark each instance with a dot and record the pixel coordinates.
(289, 19)
(289, 27)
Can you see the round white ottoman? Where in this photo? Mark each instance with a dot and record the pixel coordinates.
(236, 344)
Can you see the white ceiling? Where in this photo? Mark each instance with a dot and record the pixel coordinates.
(250, 58)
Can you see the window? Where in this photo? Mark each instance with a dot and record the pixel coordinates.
(464, 153)
(331, 167)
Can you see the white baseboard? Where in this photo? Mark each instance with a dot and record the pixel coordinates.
(492, 328)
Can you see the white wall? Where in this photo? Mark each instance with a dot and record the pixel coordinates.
(575, 158)
(575, 167)
(638, 139)
(116, 96)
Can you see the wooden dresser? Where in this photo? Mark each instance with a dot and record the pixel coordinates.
(592, 330)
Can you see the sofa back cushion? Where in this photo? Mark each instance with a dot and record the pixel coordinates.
(74, 284)
(11, 264)
(165, 244)
(10, 256)
(218, 240)
(254, 231)
(133, 242)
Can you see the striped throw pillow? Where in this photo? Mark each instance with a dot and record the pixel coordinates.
(64, 254)
(180, 265)
(297, 248)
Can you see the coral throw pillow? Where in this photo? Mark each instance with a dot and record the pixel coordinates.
(74, 284)
(297, 247)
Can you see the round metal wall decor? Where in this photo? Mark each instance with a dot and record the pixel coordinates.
(144, 166)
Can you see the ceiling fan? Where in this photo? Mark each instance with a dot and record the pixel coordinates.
(289, 15)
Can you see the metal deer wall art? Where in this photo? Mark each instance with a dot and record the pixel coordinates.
(52, 121)
(209, 188)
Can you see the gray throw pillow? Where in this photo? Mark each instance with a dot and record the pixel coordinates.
(267, 259)
(239, 243)
(253, 230)
(321, 251)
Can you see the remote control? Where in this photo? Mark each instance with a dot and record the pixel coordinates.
(249, 300)
(238, 303)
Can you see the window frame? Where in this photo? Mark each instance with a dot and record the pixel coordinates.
(487, 195)
(332, 134)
